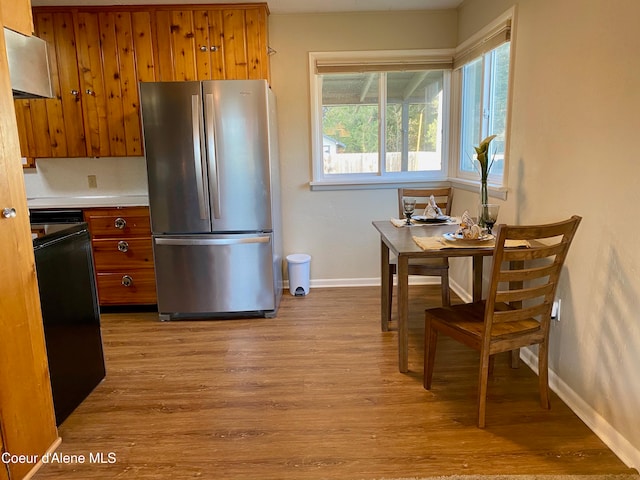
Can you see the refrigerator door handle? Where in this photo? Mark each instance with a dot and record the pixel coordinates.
(197, 155)
(211, 241)
(211, 152)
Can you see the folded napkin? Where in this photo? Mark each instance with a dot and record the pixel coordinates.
(469, 229)
(400, 222)
(438, 243)
(432, 210)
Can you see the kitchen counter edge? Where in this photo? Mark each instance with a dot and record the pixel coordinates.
(89, 201)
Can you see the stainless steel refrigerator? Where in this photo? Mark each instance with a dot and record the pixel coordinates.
(214, 196)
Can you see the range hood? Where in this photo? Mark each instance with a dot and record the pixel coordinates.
(28, 66)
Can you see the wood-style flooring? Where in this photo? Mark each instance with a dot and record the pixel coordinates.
(312, 394)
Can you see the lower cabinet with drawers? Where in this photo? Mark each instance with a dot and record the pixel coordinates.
(123, 255)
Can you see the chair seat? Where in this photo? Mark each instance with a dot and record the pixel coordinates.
(468, 318)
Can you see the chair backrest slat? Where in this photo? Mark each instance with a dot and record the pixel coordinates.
(527, 273)
(520, 314)
(526, 290)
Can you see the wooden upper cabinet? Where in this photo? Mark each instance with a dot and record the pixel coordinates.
(210, 43)
(99, 54)
(54, 127)
(106, 45)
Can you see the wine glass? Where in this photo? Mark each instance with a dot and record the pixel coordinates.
(409, 206)
(488, 214)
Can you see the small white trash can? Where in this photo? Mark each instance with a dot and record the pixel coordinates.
(298, 267)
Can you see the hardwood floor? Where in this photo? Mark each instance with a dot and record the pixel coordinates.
(312, 394)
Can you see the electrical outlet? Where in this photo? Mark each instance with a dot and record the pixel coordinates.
(93, 181)
(555, 310)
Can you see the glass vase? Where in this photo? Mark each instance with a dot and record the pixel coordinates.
(484, 200)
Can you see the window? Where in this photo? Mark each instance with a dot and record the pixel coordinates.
(379, 121)
(482, 72)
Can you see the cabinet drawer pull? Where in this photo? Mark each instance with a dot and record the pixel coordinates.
(127, 281)
(120, 223)
(123, 246)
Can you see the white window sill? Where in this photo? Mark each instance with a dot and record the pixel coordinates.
(495, 191)
(369, 185)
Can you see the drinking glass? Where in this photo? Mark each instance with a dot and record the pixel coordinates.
(409, 206)
(488, 214)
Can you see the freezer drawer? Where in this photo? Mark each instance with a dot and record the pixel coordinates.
(214, 275)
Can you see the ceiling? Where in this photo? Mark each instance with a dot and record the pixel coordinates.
(288, 6)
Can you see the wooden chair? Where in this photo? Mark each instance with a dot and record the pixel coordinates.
(517, 311)
(434, 267)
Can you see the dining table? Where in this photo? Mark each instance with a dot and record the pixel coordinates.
(399, 241)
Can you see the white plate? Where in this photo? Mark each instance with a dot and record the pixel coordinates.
(457, 237)
(439, 219)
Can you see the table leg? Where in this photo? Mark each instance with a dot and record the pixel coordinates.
(477, 278)
(384, 294)
(403, 313)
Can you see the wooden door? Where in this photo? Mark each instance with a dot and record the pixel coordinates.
(17, 16)
(54, 127)
(4, 471)
(26, 405)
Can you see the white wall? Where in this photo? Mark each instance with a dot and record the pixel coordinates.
(574, 134)
(334, 227)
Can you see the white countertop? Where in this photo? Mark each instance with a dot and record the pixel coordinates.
(89, 201)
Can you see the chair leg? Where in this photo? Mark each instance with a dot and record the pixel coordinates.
(430, 341)
(446, 296)
(543, 375)
(483, 380)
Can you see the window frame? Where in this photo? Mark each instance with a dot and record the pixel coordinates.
(355, 60)
(498, 186)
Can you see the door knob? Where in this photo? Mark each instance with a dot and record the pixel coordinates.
(9, 213)
(123, 246)
(120, 223)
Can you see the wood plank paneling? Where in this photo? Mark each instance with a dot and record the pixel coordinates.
(71, 121)
(128, 79)
(113, 87)
(164, 50)
(256, 35)
(92, 90)
(235, 53)
(143, 47)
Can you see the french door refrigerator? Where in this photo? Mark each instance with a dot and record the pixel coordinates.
(214, 197)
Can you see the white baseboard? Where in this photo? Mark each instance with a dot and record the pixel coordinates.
(375, 282)
(629, 454)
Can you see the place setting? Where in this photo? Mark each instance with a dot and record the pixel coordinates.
(471, 233)
(432, 215)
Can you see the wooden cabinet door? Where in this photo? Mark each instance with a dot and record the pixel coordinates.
(211, 44)
(109, 80)
(245, 43)
(176, 45)
(54, 127)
